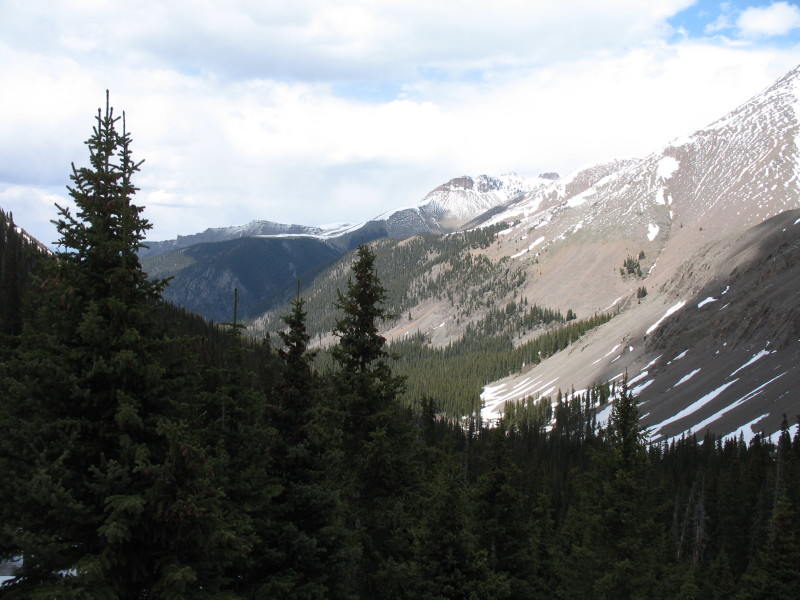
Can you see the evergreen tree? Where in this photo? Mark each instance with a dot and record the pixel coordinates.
(113, 497)
(303, 551)
(448, 560)
(775, 570)
(241, 441)
(377, 473)
(20, 258)
(618, 542)
(502, 519)
(634, 555)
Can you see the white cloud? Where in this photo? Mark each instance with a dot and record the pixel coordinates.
(240, 114)
(723, 20)
(778, 18)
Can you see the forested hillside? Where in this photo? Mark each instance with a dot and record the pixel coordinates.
(422, 266)
(142, 462)
(19, 257)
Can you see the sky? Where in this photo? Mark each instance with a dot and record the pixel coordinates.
(323, 111)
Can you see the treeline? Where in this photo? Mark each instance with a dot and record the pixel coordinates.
(449, 268)
(454, 375)
(141, 462)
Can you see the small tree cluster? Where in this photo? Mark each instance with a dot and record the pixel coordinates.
(631, 266)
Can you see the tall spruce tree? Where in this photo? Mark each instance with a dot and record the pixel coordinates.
(113, 497)
(633, 548)
(302, 550)
(503, 518)
(612, 534)
(241, 440)
(377, 471)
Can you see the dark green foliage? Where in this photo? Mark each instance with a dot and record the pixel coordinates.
(107, 481)
(641, 292)
(631, 266)
(503, 519)
(377, 440)
(20, 258)
(448, 560)
(304, 552)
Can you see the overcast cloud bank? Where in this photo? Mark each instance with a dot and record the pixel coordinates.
(319, 111)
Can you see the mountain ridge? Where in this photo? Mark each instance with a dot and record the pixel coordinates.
(650, 238)
(687, 215)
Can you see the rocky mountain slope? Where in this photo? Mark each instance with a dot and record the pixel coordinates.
(462, 199)
(446, 208)
(695, 211)
(262, 269)
(694, 246)
(204, 269)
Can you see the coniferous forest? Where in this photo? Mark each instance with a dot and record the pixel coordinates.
(147, 454)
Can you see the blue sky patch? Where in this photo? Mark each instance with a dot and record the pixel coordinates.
(777, 21)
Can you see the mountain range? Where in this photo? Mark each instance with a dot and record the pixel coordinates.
(264, 260)
(694, 248)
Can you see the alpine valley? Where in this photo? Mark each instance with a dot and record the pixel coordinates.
(636, 323)
(689, 258)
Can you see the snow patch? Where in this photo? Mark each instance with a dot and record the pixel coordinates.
(579, 199)
(667, 166)
(686, 378)
(602, 417)
(637, 390)
(681, 355)
(756, 356)
(746, 430)
(652, 362)
(696, 405)
(752, 394)
(708, 300)
(669, 312)
(529, 248)
(776, 437)
(652, 231)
